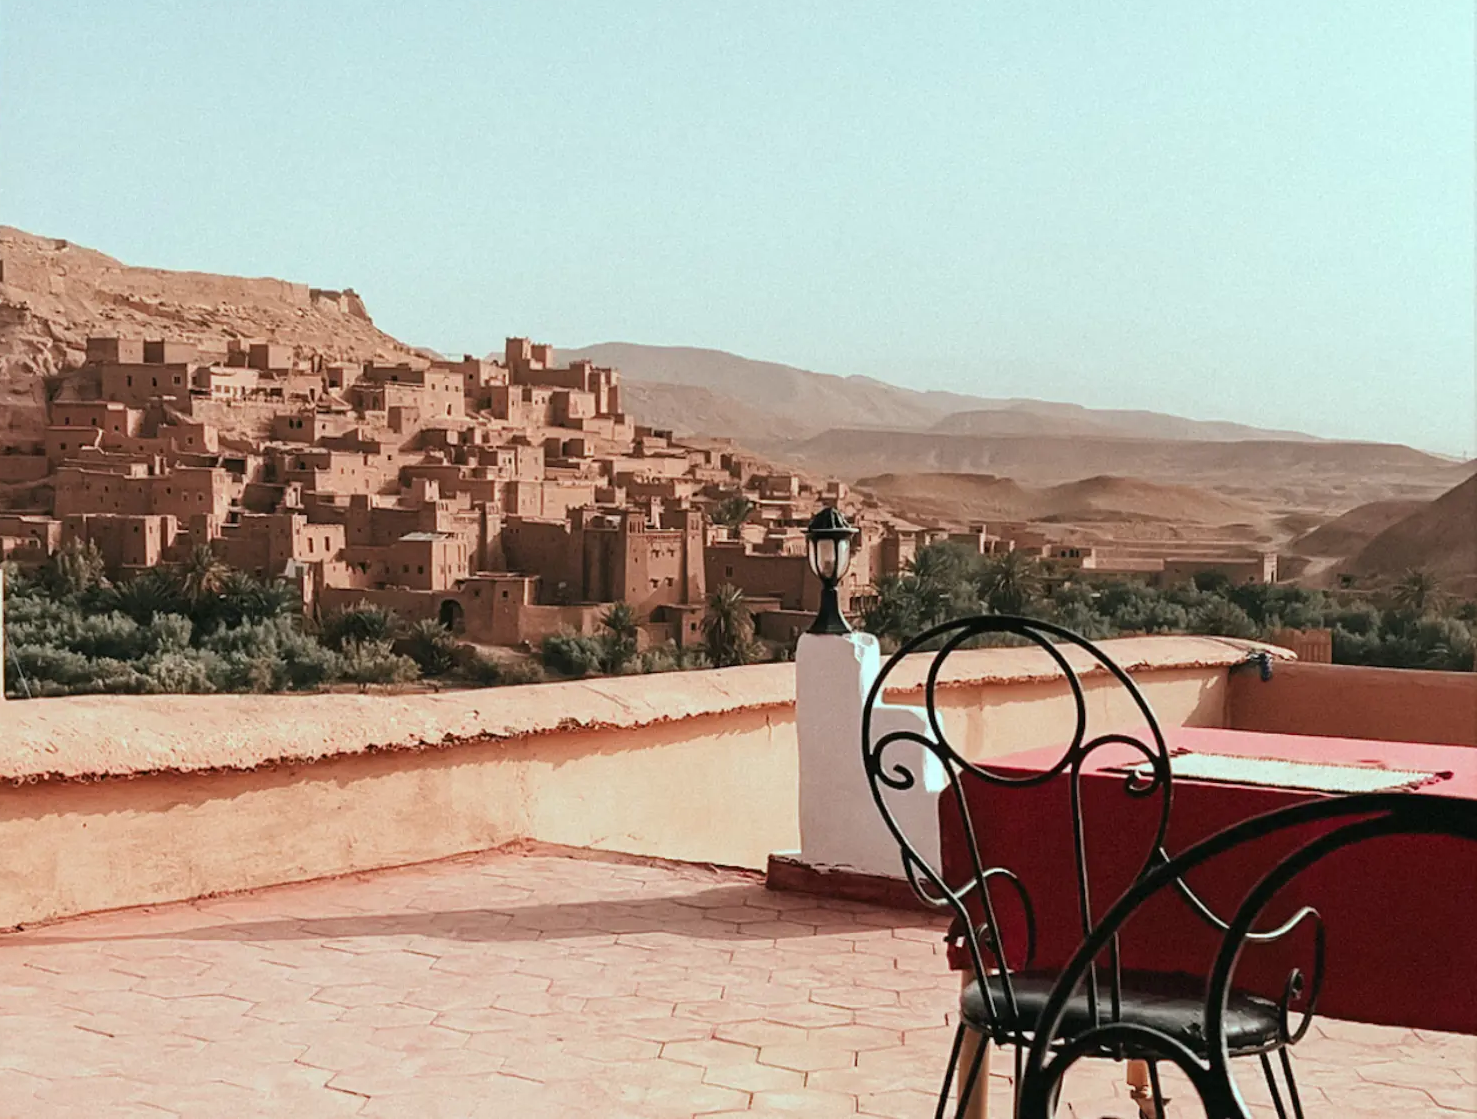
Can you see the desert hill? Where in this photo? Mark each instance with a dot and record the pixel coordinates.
(54, 294)
(1276, 475)
(1347, 534)
(958, 498)
(812, 402)
(1029, 417)
(689, 409)
(1440, 537)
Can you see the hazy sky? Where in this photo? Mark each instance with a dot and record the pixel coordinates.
(1249, 211)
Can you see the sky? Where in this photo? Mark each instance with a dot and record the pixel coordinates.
(1254, 211)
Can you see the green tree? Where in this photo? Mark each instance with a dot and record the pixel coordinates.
(364, 622)
(375, 662)
(1221, 617)
(432, 646)
(149, 594)
(74, 569)
(572, 654)
(1417, 591)
(619, 638)
(1010, 583)
(244, 598)
(201, 577)
(728, 628)
(732, 511)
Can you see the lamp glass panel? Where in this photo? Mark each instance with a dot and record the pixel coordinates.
(843, 556)
(823, 559)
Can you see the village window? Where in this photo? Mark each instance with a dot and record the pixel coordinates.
(68, 421)
(420, 569)
(130, 382)
(405, 570)
(155, 380)
(728, 571)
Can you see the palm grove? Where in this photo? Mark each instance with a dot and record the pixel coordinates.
(204, 627)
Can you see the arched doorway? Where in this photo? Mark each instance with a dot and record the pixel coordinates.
(452, 616)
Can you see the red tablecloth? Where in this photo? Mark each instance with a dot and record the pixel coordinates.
(1401, 912)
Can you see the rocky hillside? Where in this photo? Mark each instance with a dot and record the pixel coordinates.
(53, 294)
(1440, 537)
(1345, 535)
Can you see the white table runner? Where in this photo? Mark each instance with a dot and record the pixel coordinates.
(1278, 773)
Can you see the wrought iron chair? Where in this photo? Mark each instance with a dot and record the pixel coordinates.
(1003, 1001)
(1354, 819)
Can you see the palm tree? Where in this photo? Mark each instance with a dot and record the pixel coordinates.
(432, 646)
(201, 576)
(1417, 591)
(148, 594)
(621, 632)
(728, 627)
(1010, 583)
(243, 598)
(732, 511)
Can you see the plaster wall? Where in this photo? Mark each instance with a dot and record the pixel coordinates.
(717, 789)
(1347, 701)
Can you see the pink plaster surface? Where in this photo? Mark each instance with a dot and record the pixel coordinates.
(538, 984)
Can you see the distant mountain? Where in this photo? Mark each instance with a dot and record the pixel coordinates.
(1276, 475)
(1440, 537)
(1027, 417)
(1346, 534)
(693, 410)
(809, 403)
(957, 498)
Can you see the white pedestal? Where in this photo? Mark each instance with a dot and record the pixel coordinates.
(841, 827)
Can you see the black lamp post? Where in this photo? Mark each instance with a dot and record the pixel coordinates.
(828, 540)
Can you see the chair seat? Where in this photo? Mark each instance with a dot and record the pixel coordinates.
(1171, 1004)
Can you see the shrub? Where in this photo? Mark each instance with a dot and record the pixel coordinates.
(375, 662)
(147, 594)
(573, 654)
(366, 622)
(179, 672)
(432, 646)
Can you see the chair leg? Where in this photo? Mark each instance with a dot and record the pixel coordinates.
(1272, 1086)
(1291, 1081)
(943, 1104)
(1144, 1090)
(974, 1083)
(1160, 1103)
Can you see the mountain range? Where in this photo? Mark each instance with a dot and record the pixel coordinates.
(686, 388)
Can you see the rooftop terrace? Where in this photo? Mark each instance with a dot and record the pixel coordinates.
(472, 905)
(536, 984)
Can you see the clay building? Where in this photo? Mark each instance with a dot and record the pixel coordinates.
(130, 488)
(265, 544)
(127, 542)
(27, 539)
(611, 556)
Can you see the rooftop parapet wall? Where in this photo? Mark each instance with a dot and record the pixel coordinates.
(1347, 701)
(88, 737)
(115, 801)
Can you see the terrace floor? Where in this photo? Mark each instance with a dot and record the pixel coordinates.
(538, 984)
